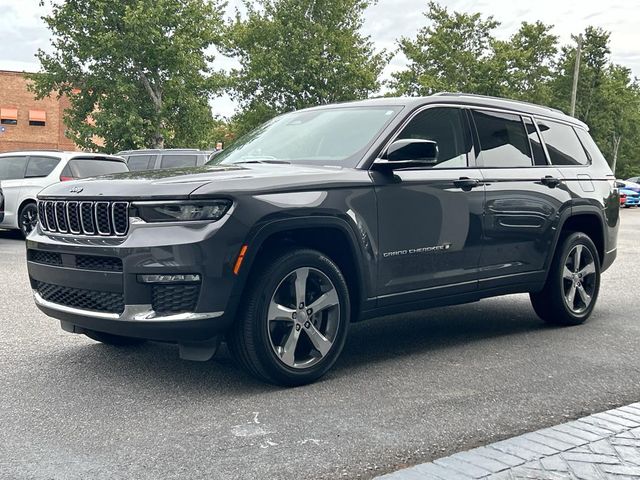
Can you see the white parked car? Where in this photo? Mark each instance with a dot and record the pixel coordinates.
(24, 174)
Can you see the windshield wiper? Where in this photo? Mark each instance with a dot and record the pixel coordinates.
(284, 162)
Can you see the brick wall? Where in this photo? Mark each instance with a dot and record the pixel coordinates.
(14, 94)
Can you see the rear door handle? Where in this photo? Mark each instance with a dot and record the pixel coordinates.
(466, 183)
(550, 181)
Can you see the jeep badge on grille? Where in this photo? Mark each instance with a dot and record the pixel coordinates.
(76, 190)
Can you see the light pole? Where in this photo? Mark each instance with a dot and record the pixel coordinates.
(576, 75)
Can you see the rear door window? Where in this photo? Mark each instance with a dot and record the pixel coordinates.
(87, 167)
(140, 162)
(12, 168)
(41, 166)
(503, 140)
(562, 143)
(179, 160)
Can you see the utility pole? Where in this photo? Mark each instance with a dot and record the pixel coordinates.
(576, 75)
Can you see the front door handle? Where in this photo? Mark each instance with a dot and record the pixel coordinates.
(466, 183)
(551, 182)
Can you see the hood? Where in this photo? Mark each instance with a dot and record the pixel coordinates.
(208, 179)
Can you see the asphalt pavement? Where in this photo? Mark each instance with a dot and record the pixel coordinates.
(408, 389)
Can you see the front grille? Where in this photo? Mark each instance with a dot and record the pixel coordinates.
(102, 264)
(95, 300)
(174, 298)
(46, 258)
(84, 218)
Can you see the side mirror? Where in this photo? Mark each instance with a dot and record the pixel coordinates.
(410, 152)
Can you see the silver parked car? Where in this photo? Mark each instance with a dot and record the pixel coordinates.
(165, 158)
(24, 174)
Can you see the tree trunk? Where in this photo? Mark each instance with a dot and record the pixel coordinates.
(617, 139)
(156, 97)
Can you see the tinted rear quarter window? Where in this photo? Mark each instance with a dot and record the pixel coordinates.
(562, 143)
(594, 152)
(181, 160)
(86, 167)
(503, 140)
(140, 162)
(41, 166)
(12, 168)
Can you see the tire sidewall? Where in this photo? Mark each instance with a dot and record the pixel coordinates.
(572, 241)
(280, 269)
(20, 222)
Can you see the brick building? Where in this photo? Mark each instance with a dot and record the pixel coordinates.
(27, 123)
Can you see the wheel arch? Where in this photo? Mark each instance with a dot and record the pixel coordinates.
(586, 219)
(332, 236)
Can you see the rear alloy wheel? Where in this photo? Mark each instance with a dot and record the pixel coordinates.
(28, 218)
(295, 320)
(572, 287)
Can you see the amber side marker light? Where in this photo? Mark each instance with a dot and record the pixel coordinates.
(238, 264)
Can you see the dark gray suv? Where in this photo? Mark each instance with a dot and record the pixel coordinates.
(329, 216)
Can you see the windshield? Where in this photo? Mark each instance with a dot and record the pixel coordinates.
(83, 168)
(336, 136)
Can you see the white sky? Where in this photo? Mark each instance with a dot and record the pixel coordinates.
(23, 32)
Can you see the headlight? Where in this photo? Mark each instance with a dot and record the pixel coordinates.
(187, 211)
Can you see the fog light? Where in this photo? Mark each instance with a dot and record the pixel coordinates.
(178, 278)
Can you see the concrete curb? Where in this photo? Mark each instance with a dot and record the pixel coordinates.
(601, 446)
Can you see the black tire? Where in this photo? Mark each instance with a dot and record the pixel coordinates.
(115, 340)
(551, 304)
(251, 340)
(27, 218)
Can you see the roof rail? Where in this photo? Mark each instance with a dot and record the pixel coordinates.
(489, 97)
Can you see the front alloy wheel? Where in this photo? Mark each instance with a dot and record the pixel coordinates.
(303, 318)
(294, 321)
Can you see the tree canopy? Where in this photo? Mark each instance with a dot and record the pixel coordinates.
(299, 53)
(139, 73)
(459, 52)
(137, 70)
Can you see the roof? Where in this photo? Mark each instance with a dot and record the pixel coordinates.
(159, 150)
(470, 100)
(61, 153)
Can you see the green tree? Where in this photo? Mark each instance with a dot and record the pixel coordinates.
(299, 53)
(524, 65)
(138, 69)
(452, 52)
(608, 100)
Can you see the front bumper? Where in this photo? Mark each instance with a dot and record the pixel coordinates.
(94, 282)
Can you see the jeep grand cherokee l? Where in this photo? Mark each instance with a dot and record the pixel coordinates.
(328, 216)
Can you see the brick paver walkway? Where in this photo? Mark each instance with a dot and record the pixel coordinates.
(601, 446)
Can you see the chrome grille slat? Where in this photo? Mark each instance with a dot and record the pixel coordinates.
(73, 214)
(104, 218)
(61, 219)
(87, 218)
(41, 216)
(102, 212)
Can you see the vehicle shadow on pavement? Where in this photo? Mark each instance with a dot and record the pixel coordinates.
(377, 341)
(10, 235)
(429, 331)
